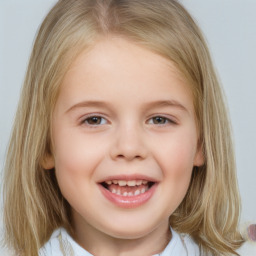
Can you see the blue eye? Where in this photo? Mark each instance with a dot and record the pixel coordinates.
(95, 120)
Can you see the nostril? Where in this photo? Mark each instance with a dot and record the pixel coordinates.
(129, 157)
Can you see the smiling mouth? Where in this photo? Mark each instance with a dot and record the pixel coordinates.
(127, 188)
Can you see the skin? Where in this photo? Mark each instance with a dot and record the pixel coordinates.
(128, 83)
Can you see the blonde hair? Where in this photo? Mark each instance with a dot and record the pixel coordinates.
(34, 206)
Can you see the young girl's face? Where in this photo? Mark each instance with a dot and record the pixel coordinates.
(125, 140)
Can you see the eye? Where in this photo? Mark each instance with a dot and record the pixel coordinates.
(160, 120)
(95, 120)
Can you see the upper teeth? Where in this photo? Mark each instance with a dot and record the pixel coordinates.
(130, 183)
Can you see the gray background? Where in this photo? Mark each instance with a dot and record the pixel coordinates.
(230, 29)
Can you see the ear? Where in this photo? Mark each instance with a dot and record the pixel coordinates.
(48, 162)
(199, 156)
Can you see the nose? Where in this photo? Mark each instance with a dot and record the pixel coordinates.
(129, 144)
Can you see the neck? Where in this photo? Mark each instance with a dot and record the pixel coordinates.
(99, 243)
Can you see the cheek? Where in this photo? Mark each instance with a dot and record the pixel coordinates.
(73, 148)
(176, 159)
(178, 153)
(76, 158)
(177, 166)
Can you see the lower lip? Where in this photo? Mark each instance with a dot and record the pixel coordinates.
(128, 201)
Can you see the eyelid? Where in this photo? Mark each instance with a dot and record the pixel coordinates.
(171, 120)
(87, 116)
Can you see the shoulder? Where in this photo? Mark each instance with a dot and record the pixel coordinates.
(189, 244)
(247, 249)
(61, 243)
(248, 231)
(182, 245)
(192, 249)
(52, 246)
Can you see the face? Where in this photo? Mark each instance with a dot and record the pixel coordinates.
(124, 139)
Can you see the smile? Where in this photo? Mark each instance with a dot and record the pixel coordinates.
(128, 193)
(128, 188)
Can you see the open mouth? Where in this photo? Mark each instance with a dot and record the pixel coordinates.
(127, 188)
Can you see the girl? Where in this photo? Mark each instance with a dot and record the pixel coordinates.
(121, 143)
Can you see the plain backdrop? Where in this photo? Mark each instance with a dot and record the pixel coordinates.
(230, 29)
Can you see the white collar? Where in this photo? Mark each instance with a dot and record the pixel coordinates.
(180, 244)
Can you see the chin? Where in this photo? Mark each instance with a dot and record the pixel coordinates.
(129, 231)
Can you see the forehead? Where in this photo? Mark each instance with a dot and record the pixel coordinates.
(121, 66)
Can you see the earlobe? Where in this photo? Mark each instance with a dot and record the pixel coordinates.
(48, 162)
(199, 157)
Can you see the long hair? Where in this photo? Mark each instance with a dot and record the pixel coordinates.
(33, 204)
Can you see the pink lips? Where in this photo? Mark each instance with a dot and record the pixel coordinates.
(130, 201)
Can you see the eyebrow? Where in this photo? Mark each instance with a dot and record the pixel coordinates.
(154, 104)
(88, 103)
(167, 103)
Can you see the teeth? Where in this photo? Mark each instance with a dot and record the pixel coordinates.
(136, 193)
(122, 183)
(138, 182)
(130, 183)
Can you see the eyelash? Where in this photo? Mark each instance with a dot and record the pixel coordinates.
(85, 121)
(163, 118)
(150, 121)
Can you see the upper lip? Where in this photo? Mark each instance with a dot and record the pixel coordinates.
(128, 178)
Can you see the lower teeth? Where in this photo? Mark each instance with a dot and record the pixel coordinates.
(128, 190)
(136, 193)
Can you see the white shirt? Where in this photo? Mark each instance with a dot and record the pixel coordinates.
(180, 244)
